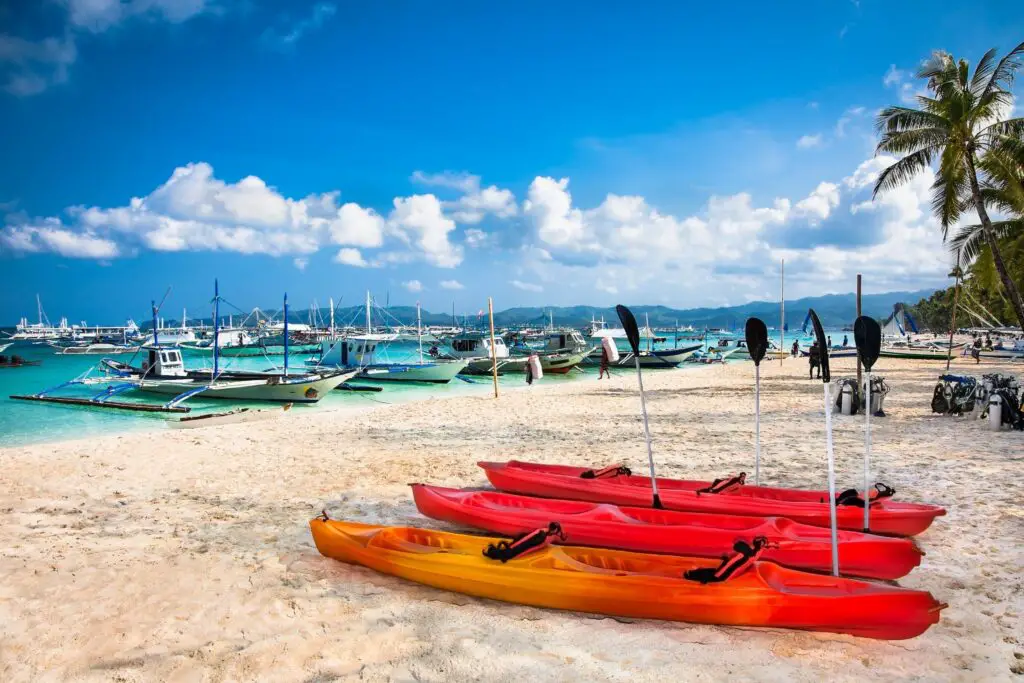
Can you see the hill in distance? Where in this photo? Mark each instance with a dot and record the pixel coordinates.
(835, 310)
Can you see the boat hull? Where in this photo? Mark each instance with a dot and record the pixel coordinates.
(625, 584)
(292, 390)
(435, 372)
(798, 546)
(808, 507)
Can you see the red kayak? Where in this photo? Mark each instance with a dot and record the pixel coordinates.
(794, 545)
(730, 497)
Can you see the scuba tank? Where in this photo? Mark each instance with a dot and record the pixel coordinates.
(847, 399)
(995, 412)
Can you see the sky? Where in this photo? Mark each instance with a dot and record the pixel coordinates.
(535, 152)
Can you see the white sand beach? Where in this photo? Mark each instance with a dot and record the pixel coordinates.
(185, 555)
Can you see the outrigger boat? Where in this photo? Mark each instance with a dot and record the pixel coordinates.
(358, 353)
(163, 372)
(475, 348)
(563, 350)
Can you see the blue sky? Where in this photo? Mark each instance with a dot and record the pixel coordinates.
(554, 153)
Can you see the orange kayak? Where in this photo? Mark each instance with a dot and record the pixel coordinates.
(627, 584)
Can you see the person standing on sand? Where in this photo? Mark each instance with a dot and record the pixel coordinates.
(829, 342)
(796, 348)
(846, 341)
(603, 370)
(814, 360)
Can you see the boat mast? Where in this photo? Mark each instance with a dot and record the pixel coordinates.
(286, 334)
(156, 341)
(419, 331)
(647, 324)
(368, 331)
(331, 302)
(216, 328)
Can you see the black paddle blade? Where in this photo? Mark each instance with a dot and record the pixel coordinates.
(629, 325)
(757, 339)
(867, 334)
(823, 349)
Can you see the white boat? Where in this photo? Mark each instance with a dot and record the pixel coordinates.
(359, 352)
(163, 372)
(475, 348)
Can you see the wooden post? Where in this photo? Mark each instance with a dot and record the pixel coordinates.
(782, 313)
(859, 366)
(956, 302)
(494, 353)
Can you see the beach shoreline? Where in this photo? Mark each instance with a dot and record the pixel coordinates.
(186, 554)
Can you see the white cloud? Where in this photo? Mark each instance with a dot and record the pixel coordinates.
(550, 205)
(526, 286)
(51, 235)
(300, 262)
(34, 66)
(849, 116)
(357, 226)
(809, 141)
(472, 208)
(624, 244)
(901, 81)
(350, 257)
(893, 76)
(476, 202)
(419, 221)
(463, 182)
(819, 204)
(286, 39)
(451, 284)
(413, 285)
(100, 15)
(476, 238)
(196, 211)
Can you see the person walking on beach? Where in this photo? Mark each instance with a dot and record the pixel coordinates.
(815, 360)
(829, 342)
(603, 370)
(846, 340)
(796, 348)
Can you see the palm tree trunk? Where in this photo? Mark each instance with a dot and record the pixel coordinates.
(990, 238)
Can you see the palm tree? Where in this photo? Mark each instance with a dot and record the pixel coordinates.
(1002, 189)
(956, 125)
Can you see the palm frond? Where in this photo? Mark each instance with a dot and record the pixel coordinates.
(903, 170)
(982, 72)
(899, 119)
(1003, 73)
(950, 187)
(910, 141)
(970, 239)
(938, 68)
(992, 134)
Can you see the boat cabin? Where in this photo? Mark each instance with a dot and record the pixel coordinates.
(478, 345)
(162, 362)
(565, 340)
(356, 351)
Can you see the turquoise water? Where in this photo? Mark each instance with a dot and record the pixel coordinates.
(24, 422)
